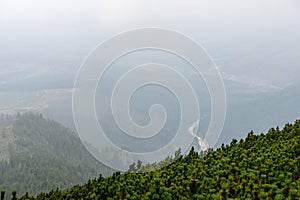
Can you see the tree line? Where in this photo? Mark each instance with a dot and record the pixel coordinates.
(265, 166)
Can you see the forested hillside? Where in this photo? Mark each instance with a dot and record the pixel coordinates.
(265, 166)
(37, 154)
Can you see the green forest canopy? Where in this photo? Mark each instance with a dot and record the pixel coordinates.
(38, 154)
(265, 166)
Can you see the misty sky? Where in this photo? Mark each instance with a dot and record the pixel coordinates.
(250, 40)
(253, 43)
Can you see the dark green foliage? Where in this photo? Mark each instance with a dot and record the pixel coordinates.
(259, 167)
(2, 195)
(43, 155)
(14, 195)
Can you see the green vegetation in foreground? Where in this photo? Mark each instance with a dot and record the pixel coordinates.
(262, 166)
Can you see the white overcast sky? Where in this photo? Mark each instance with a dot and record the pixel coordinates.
(49, 17)
(56, 30)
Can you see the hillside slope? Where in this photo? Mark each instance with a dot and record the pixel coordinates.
(265, 166)
(37, 154)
